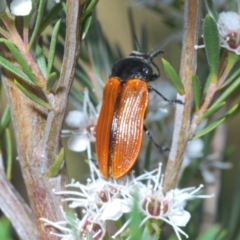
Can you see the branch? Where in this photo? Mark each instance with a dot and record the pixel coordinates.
(38, 131)
(183, 113)
(16, 210)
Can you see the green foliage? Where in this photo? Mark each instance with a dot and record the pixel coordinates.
(5, 229)
(52, 48)
(216, 123)
(56, 166)
(41, 61)
(5, 120)
(32, 97)
(172, 75)
(51, 80)
(196, 91)
(212, 46)
(37, 25)
(15, 70)
(20, 59)
(9, 153)
(135, 216)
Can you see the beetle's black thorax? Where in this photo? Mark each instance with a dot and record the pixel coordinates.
(130, 68)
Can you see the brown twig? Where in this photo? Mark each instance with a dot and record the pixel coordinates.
(182, 117)
(16, 210)
(38, 132)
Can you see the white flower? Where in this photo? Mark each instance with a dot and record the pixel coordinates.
(71, 228)
(21, 7)
(229, 31)
(111, 199)
(167, 207)
(79, 139)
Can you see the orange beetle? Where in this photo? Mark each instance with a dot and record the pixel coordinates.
(119, 129)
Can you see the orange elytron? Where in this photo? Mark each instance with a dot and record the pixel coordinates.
(119, 129)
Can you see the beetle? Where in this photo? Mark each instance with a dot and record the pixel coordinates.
(119, 129)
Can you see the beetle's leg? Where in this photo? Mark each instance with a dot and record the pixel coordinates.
(150, 88)
(162, 149)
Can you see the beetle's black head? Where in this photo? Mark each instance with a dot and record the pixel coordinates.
(136, 65)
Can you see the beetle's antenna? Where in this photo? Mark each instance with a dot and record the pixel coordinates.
(155, 54)
(137, 44)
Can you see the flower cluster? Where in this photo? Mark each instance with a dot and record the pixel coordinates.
(104, 200)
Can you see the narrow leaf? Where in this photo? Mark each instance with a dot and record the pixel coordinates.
(226, 93)
(33, 97)
(86, 26)
(230, 79)
(196, 91)
(51, 80)
(88, 9)
(9, 153)
(13, 69)
(210, 111)
(212, 45)
(52, 48)
(215, 124)
(209, 128)
(37, 24)
(18, 56)
(51, 15)
(5, 120)
(232, 111)
(41, 61)
(172, 75)
(5, 229)
(135, 221)
(56, 166)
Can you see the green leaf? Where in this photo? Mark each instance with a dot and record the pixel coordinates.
(196, 91)
(56, 166)
(41, 60)
(13, 69)
(51, 15)
(215, 124)
(212, 110)
(135, 221)
(51, 80)
(33, 97)
(5, 120)
(226, 93)
(212, 45)
(18, 56)
(37, 24)
(230, 79)
(5, 229)
(52, 48)
(211, 8)
(209, 128)
(88, 10)
(172, 75)
(9, 153)
(86, 26)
